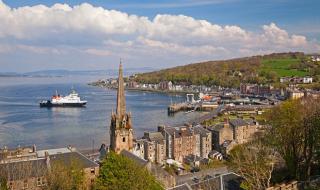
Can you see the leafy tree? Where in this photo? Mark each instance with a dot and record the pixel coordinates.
(62, 176)
(253, 161)
(295, 133)
(3, 183)
(120, 172)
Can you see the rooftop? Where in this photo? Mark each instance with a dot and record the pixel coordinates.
(201, 130)
(154, 136)
(37, 165)
(238, 122)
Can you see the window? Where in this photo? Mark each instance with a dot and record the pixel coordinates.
(11, 185)
(39, 181)
(93, 171)
(25, 184)
(124, 139)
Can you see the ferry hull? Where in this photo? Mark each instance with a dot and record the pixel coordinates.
(49, 104)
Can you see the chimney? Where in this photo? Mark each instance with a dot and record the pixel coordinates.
(161, 128)
(47, 157)
(34, 148)
(226, 122)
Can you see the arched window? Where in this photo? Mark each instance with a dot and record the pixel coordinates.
(124, 139)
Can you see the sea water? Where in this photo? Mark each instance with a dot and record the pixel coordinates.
(23, 122)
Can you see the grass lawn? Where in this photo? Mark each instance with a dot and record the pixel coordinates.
(214, 164)
(282, 67)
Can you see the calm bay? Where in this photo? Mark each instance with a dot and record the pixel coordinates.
(23, 122)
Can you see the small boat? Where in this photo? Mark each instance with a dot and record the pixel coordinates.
(71, 100)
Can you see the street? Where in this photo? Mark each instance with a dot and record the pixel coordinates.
(200, 175)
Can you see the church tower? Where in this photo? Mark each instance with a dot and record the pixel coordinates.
(121, 132)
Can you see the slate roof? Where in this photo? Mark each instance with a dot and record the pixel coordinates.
(238, 122)
(156, 136)
(216, 127)
(179, 131)
(200, 130)
(68, 158)
(24, 169)
(230, 181)
(250, 121)
(37, 167)
(137, 159)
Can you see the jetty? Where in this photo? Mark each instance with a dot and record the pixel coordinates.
(184, 106)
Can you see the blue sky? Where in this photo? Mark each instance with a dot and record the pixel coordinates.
(277, 25)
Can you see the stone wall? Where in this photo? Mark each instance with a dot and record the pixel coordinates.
(285, 186)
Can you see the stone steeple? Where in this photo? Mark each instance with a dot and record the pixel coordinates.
(121, 132)
(121, 101)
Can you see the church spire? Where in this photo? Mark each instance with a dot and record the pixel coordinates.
(121, 131)
(121, 101)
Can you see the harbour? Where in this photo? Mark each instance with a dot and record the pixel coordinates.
(23, 122)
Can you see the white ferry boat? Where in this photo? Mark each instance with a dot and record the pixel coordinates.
(71, 100)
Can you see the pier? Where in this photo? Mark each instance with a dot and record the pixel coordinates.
(175, 107)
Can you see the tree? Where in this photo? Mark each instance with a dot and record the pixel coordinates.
(254, 161)
(120, 172)
(295, 134)
(62, 176)
(3, 183)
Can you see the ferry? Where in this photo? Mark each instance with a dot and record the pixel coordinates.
(71, 100)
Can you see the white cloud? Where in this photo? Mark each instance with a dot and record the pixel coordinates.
(102, 32)
(99, 52)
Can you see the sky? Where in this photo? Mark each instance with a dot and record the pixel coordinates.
(94, 35)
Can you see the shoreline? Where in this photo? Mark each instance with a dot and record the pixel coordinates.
(145, 89)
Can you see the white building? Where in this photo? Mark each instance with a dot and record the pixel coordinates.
(307, 80)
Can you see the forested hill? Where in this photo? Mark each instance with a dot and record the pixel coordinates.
(228, 73)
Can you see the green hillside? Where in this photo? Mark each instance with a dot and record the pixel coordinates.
(230, 73)
(283, 66)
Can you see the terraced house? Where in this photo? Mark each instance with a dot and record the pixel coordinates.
(27, 168)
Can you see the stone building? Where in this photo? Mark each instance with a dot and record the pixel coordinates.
(121, 131)
(164, 85)
(155, 147)
(183, 142)
(27, 168)
(205, 141)
(243, 130)
(139, 148)
(295, 94)
(186, 140)
(221, 133)
(255, 89)
(230, 133)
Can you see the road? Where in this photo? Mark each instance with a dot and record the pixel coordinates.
(200, 175)
(210, 115)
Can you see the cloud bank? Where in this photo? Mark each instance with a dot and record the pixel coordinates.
(96, 31)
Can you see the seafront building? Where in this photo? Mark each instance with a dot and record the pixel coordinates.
(175, 143)
(28, 168)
